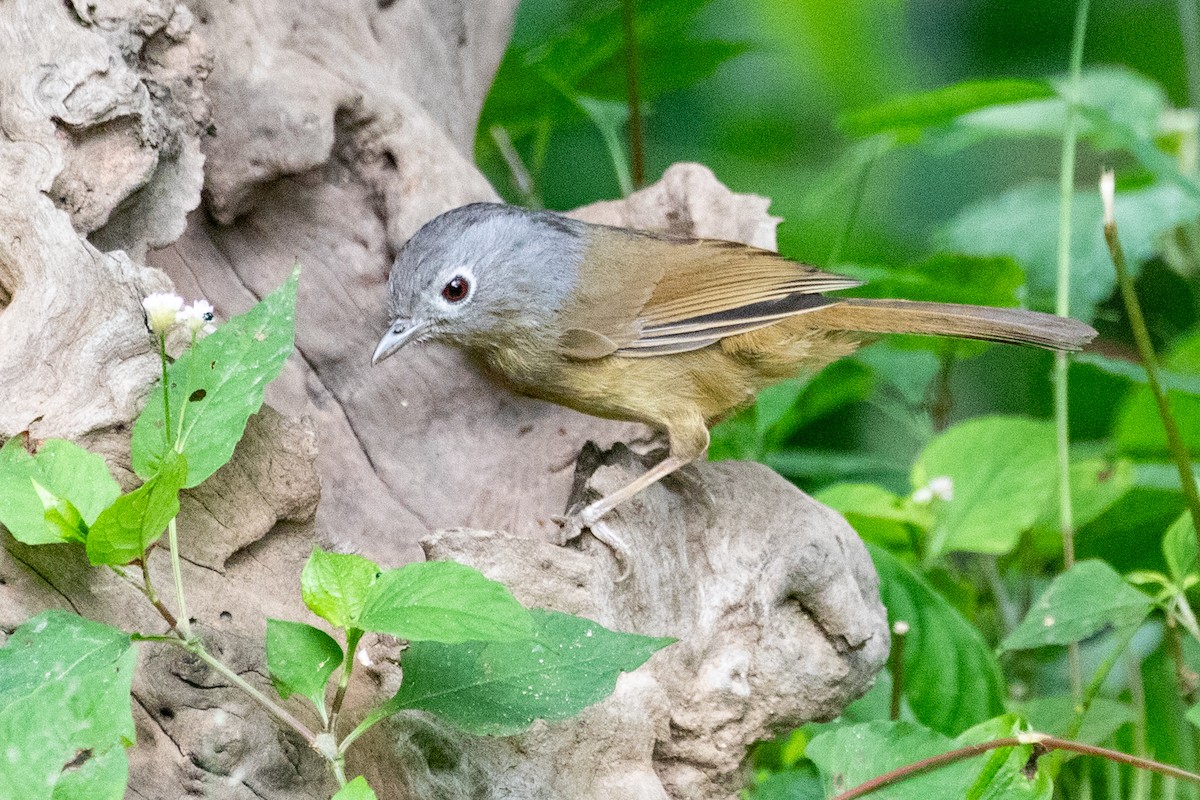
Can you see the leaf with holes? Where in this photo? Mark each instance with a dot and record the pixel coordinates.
(215, 386)
(65, 714)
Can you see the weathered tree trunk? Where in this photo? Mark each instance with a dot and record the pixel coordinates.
(214, 145)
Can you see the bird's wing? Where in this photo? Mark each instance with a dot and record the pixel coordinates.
(649, 295)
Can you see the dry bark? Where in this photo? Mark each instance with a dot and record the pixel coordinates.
(145, 144)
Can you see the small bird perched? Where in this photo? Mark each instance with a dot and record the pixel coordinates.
(627, 325)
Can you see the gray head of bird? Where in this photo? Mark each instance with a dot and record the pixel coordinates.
(480, 274)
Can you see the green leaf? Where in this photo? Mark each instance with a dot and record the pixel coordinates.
(1139, 430)
(1193, 715)
(951, 677)
(1000, 468)
(939, 106)
(126, 529)
(1054, 715)
(442, 601)
(54, 495)
(64, 699)
(1097, 484)
(335, 586)
(357, 789)
(300, 659)
(500, 688)
(1169, 380)
(1079, 603)
(945, 278)
(1023, 224)
(1179, 548)
(851, 755)
(216, 385)
(877, 514)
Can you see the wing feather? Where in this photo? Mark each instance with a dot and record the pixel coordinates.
(646, 295)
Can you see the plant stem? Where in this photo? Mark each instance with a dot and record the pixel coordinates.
(151, 595)
(860, 191)
(1041, 742)
(281, 713)
(166, 399)
(896, 665)
(636, 143)
(352, 637)
(184, 626)
(367, 723)
(1141, 337)
(1066, 189)
(1189, 31)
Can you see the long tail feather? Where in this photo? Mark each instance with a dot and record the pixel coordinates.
(1011, 325)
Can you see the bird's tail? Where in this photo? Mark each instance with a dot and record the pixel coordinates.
(1011, 325)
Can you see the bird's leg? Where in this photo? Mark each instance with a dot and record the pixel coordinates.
(687, 444)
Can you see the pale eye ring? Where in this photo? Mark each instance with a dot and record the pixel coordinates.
(456, 289)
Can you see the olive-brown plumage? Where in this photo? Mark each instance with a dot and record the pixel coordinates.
(671, 332)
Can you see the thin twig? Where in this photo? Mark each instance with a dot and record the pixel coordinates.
(352, 637)
(636, 144)
(281, 713)
(896, 665)
(185, 626)
(1040, 741)
(1063, 308)
(1141, 337)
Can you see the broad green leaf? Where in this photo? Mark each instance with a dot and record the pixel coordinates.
(944, 277)
(1079, 603)
(1193, 715)
(1054, 715)
(357, 789)
(215, 386)
(951, 677)
(499, 688)
(788, 785)
(300, 659)
(1023, 223)
(126, 529)
(335, 586)
(1002, 471)
(1180, 547)
(54, 495)
(939, 106)
(851, 755)
(1097, 484)
(1169, 380)
(64, 699)
(877, 514)
(1139, 429)
(442, 601)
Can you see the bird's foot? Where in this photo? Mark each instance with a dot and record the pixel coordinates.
(577, 520)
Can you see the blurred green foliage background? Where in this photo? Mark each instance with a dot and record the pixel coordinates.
(954, 197)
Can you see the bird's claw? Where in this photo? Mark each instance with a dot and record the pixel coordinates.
(576, 521)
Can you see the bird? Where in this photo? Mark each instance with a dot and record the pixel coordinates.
(673, 332)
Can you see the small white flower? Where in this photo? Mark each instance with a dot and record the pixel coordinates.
(161, 309)
(1108, 192)
(196, 316)
(942, 487)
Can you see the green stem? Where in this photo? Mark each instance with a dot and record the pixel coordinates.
(1189, 31)
(1066, 189)
(1040, 741)
(352, 638)
(636, 142)
(368, 722)
(185, 627)
(1141, 337)
(277, 710)
(166, 399)
(860, 190)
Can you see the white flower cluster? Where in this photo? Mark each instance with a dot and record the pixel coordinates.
(941, 487)
(164, 311)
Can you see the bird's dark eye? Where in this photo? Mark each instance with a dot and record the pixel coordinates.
(456, 290)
